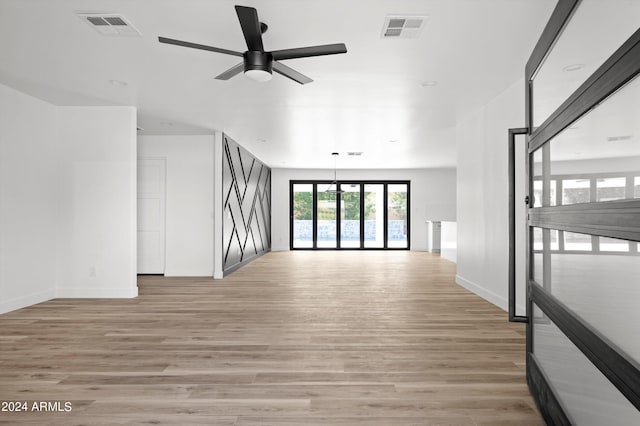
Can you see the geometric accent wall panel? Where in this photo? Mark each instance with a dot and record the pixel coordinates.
(246, 188)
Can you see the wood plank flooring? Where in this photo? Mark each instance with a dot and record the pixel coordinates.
(294, 338)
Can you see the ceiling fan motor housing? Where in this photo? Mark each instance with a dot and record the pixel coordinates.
(256, 60)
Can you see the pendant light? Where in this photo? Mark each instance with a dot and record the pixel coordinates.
(334, 184)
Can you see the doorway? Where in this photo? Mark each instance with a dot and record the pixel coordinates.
(151, 215)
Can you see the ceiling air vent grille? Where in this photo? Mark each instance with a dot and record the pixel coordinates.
(396, 26)
(109, 24)
(618, 138)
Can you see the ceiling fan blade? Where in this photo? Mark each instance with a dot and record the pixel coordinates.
(231, 72)
(250, 24)
(290, 73)
(304, 52)
(198, 46)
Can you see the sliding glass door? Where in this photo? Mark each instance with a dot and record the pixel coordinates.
(327, 218)
(397, 215)
(302, 215)
(350, 215)
(374, 215)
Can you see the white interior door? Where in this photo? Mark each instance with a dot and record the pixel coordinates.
(151, 215)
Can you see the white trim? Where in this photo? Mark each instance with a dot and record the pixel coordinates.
(218, 207)
(25, 301)
(488, 295)
(133, 220)
(97, 293)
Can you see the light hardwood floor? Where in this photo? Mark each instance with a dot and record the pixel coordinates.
(294, 338)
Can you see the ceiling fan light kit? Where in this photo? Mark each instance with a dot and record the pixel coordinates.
(257, 63)
(258, 66)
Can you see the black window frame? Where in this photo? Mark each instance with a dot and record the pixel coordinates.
(320, 183)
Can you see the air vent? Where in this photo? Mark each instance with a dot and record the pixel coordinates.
(109, 24)
(396, 26)
(618, 138)
(355, 153)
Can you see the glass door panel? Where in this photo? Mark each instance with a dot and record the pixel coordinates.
(374, 215)
(397, 216)
(598, 157)
(302, 215)
(350, 216)
(606, 25)
(587, 395)
(326, 203)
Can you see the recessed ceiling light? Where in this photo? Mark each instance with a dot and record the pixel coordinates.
(393, 140)
(573, 67)
(429, 83)
(618, 138)
(118, 83)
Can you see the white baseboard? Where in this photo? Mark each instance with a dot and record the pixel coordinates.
(449, 254)
(96, 293)
(496, 299)
(24, 301)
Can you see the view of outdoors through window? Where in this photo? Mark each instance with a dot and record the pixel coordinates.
(357, 213)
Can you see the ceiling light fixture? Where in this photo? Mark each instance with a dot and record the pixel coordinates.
(258, 65)
(258, 75)
(573, 67)
(429, 83)
(118, 83)
(393, 140)
(333, 187)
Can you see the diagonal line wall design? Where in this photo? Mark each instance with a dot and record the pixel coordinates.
(247, 205)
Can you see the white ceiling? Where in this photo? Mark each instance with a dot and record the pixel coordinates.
(359, 101)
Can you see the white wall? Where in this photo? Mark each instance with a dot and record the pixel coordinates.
(96, 202)
(27, 200)
(482, 195)
(433, 197)
(449, 241)
(67, 201)
(189, 203)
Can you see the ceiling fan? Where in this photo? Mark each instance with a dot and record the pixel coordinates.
(257, 63)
